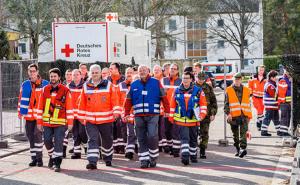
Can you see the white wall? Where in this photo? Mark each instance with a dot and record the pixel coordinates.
(255, 49)
(179, 36)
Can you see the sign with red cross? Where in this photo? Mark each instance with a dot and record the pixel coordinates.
(83, 42)
(111, 17)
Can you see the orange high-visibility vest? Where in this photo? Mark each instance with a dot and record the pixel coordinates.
(236, 108)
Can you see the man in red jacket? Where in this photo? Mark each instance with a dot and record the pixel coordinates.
(55, 111)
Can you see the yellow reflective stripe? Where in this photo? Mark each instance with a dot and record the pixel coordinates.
(47, 107)
(55, 113)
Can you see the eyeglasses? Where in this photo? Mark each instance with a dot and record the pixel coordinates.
(174, 69)
(186, 78)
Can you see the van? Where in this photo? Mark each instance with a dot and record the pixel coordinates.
(217, 69)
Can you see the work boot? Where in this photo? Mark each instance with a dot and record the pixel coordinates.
(152, 163)
(91, 166)
(166, 149)
(265, 133)
(50, 163)
(237, 151)
(65, 152)
(40, 163)
(76, 156)
(108, 163)
(258, 125)
(121, 150)
(71, 151)
(194, 160)
(285, 134)
(116, 149)
(57, 163)
(279, 133)
(129, 155)
(144, 164)
(33, 163)
(243, 153)
(202, 153)
(185, 162)
(175, 155)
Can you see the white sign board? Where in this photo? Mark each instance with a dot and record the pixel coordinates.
(83, 42)
(111, 17)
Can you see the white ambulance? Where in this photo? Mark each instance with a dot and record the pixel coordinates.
(218, 70)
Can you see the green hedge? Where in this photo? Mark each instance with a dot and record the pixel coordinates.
(272, 63)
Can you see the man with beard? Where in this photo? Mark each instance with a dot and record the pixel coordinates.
(55, 111)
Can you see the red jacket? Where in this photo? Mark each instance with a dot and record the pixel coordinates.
(96, 103)
(59, 110)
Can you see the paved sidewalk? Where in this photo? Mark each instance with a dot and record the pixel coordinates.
(14, 147)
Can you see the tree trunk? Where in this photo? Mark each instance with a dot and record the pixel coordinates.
(35, 46)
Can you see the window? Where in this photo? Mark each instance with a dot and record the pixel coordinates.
(172, 44)
(218, 69)
(203, 24)
(246, 62)
(196, 25)
(203, 44)
(190, 45)
(220, 23)
(172, 25)
(189, 24)
(221, 44)
(245, 43)
(22, 48)
(197, 45)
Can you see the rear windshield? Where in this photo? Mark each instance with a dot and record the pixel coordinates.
(217, 69)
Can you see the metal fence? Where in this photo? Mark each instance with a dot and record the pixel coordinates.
(12, 74)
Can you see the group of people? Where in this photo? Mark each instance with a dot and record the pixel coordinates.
(144, 112)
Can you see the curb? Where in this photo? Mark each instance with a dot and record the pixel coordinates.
(295, 176)
(15, 152)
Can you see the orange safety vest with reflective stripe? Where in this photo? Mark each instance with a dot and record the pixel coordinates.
(75, 92)
(170, 84)
(33, 100)
(96, 103)
(236, 107)
(257, 87)
(284, 90)
(55, 106)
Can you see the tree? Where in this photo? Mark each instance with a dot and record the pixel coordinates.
(240, 18)
(82, 10)
(281, 27)
(153, 14)
(4, 45)
(33, 18)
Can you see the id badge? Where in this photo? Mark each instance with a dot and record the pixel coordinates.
(144, 93)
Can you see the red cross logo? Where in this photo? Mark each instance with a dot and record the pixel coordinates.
(109, 17)
(67, 50)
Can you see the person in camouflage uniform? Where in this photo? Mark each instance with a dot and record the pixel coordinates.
(212, 108)
(238, 110)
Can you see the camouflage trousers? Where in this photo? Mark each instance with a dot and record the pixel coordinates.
(239, 128)
(204, 133)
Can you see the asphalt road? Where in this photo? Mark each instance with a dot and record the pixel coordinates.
(267, 162)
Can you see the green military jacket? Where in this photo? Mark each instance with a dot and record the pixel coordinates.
(212, 106)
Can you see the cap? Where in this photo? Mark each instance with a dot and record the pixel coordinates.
(237, 75)
(201, 75)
